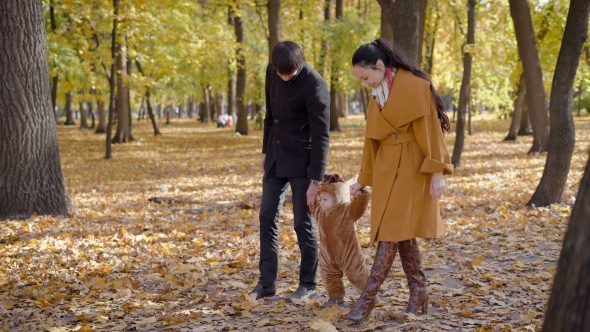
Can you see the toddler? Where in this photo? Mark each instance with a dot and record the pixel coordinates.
(340, 250)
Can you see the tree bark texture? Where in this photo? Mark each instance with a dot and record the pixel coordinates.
(338, 9)
(274, 25)
(91, 114)
(54, 79)
(334, 108)
(517, 113)
(206, 116)
(191, 107)
(101, 127)
(231, 94)
(422, 5)
(69, 109)
(31, 179)
(464, 96)
(123, 133)
(527, 48)
(325, 47)
(242, 120)
(112, 99)
(150, 110)
(84, 115)
(525, 123)
(386, 27)
(406, 21)
(430, 39)
(568, 309)
(562, 136)
(335, 100)
(54, 108)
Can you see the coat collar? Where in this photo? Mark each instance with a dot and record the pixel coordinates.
(409, 99)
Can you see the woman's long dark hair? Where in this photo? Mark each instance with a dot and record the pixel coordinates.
(380, 49)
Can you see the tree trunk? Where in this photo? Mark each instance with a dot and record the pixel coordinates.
(54, 98)
(324, 51)
(141, 109)
(335, 100)
(343, 105)
(231, 94)
(423, 4)
(525, 125)
(562, 137)
(464, 96)
(535, 95)
(123, 134)
(274, 25)
(365, 98)
(386, 27)
(151, 114)
(568, 308)
(518, 112)
(168, 113)
(430, 40)
(69, 108)
(407, 18)
(469, 117)
(191, 107)
(91, 113)
(55, 78)
(334, 109)
(31, 179)
(206, 116)
(242, 120)
(84, 115)
(102, 123)
(112, 105)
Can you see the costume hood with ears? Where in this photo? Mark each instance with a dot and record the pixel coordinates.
(335, 186)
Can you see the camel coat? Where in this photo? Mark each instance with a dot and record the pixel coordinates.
(404, 145)
(340, 251)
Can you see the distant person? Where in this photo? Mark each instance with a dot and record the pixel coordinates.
(340, 250)
(294, 152)
(404, 160)
(222, 121)
(230, 120)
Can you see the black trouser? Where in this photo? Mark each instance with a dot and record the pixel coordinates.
(273, 197)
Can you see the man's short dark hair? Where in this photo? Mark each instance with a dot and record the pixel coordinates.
(287, 57)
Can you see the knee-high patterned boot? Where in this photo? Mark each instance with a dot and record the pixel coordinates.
(410, 256)
(381, 266)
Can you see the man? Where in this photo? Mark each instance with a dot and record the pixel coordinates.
(294, 152)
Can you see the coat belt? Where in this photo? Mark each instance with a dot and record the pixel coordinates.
(395, 139)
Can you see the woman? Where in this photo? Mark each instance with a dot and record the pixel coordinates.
(404, 160)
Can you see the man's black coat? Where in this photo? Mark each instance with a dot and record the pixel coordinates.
(296, 124)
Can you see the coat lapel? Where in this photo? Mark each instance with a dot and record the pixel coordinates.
(409, 99)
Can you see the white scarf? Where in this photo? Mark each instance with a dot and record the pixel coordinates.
(381, 93)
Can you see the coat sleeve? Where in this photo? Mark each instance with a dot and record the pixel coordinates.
(358, 206)
(317, 102)
(315, 209)
(369, 154)
(268, 116)
(432, 143)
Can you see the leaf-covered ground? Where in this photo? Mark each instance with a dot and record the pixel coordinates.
(122, 263)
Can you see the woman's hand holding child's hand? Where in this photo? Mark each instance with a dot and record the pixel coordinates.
(356, 189)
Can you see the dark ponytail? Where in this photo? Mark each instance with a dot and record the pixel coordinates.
(380, 49)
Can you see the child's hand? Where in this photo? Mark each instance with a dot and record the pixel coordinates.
(355, 189)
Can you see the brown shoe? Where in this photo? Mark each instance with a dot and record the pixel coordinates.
(410, 256)
(381, 266)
